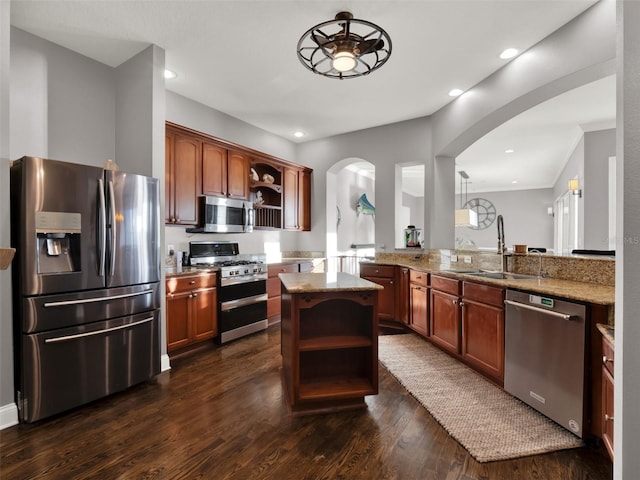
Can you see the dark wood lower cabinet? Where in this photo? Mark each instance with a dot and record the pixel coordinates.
(482, 344)
(607, 395)
(329, 349)
(444, 313)
(418, 302)
(192, 310)
(384, 275)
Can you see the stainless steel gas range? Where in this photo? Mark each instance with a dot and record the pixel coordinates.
(242, 286)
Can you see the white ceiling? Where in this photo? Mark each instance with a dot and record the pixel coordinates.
(239, 57)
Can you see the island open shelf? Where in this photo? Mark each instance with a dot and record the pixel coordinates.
(329, 341)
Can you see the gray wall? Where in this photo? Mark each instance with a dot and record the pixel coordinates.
(56, 112)
(598, 147)
(526, 220)
(7, 409)
(627, 373)
(403, 142)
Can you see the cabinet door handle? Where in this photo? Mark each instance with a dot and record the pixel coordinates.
(391, 282)
(608, 418)
(192, 282)
(605, 359)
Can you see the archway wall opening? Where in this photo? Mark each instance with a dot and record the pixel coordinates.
(580, 52)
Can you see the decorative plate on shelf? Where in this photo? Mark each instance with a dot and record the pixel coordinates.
(485, 210)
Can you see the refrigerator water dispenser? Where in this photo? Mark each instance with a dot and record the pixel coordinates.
(58, 242)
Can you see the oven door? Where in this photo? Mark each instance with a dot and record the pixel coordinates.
(243, 309)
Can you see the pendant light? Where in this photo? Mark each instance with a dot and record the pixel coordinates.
(345, 47)
(465, 217)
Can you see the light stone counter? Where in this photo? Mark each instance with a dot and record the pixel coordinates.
(325, 282)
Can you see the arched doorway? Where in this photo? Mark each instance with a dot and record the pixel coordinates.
(350, 212)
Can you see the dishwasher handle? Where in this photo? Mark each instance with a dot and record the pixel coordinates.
(562, 316)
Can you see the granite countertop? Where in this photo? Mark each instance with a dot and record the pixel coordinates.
(187, 270)
(569, 289)
(295, 259)
(325, 282)
(607, 332)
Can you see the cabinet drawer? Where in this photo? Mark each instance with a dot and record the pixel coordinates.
(375, 270)
(419, 277)
(483, 293)
(190, 282)
(274, 270)
(607, 356)
(444, 284)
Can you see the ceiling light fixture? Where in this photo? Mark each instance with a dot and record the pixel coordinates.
(509, 150)
(509, 53)
(298, 134)
(344, 47)
(455, 92)
(170, 74)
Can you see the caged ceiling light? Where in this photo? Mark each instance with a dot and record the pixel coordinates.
(344, 48)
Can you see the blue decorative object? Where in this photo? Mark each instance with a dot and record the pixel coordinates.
(364, 206)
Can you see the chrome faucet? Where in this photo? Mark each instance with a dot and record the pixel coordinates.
(502, 248)
(533, 250)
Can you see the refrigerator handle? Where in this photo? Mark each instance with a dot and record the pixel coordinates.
(112, 211)
(102, 227)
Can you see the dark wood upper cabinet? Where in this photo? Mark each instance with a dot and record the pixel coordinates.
(238, 175)
(197, 164)
(183, 167)
(214, 170)
(297, 199)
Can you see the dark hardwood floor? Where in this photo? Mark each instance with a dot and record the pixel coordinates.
(220, 414)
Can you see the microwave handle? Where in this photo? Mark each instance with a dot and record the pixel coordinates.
(248, 218)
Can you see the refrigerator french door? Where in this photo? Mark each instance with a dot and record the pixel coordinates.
(86, 283)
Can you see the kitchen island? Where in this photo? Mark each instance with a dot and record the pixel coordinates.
(329, 341)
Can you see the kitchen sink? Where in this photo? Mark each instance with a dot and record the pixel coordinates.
(502, 275)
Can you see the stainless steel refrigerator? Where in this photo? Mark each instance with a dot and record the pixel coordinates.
(85, 281)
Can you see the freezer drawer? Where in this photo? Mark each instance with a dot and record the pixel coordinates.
(73, 366)
(51, 312)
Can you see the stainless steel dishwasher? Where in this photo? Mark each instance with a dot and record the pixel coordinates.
(545, 356)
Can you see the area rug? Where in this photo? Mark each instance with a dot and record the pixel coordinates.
(488, 422)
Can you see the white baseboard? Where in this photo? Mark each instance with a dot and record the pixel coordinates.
(8, 415)
(164, 363)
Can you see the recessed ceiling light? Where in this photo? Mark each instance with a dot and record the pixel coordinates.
(509, 150)
(455, 92)
(509, 53)
(298, 134)
(169, 73)
(514, 181)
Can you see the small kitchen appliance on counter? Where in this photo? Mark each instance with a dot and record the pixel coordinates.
(412, 237)
(242, 286)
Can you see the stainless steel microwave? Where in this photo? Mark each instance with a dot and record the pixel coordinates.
(225, 215)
